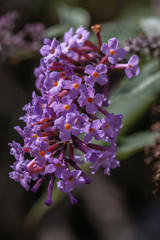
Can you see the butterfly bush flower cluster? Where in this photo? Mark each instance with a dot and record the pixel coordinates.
(63, 119)
(27, 40)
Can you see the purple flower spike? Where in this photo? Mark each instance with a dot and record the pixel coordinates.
(112, 52)
(96, 74)
(132, 68)
(62, 120)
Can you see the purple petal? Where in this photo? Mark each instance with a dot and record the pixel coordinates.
(54, 43)
(47, 41)
(65, 135)
(102, 79)
(101, 68)
(73, 93)
(134, 60)
(121, 53)
(76, 79)
(113, 43)
(135, 70)
(75, 130)
(59, 108)
(71, 118)
(90, 81)
(59, 123)
(50, 168)
(67, 84)
(105, 49)
(90, 69)
(96, 124)
(91, 92)
(112, 59)
(87, 137)
(91, 108)
(98, 99)
(128, 72)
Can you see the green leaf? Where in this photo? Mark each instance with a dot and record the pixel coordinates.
(129, 86)
(121, 30)
(133, 99)
(73, 16)
(129, 145)
(56, 30)
(151, 25)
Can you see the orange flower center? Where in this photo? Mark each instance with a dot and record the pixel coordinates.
(67, 126)
(91, 130)
(53, 51)
(75, 85)
(106, 127)
(58, 165)
(35, 136)
(42, 153)
(70, 179)
(55, 84)
(41, 106)
(112, 52)
(95, 74)
(22, 176)
(130, 66)
(100, 160)
(90, 100)
(66, 107)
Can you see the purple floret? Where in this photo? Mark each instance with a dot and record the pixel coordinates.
(106, 160)
(51, 48)
(92, 130)
(74, 86)
(70, 180)
(81, 36)
(90, 101)
(132, 68)
(112, 51)
(68, 125)
(24, 178)
(96, 74)
(65, 107)
(111, 126)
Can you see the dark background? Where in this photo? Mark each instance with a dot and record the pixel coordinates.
(118, 207)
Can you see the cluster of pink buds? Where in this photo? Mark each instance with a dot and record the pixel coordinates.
(62, 119)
